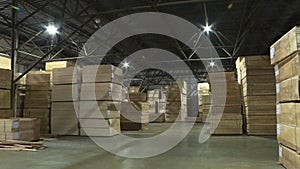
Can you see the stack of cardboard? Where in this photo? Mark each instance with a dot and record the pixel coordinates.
(157, 100)
(100, 115)
(259, 94)
(177, 102)
(285, 56)
(5, 100)
(232, 119)
(37, 98)
(25, 129)
(64, 101)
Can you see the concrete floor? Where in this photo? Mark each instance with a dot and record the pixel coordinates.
(220, 152)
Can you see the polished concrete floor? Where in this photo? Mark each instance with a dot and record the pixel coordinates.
(220, 152)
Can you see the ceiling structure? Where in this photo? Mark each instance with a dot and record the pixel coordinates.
(239, 27)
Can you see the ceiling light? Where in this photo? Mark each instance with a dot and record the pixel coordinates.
(52, 30)
(212, 64)
(207, 28)
(126, 65)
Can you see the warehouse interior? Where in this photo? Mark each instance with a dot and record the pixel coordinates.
(150, 84)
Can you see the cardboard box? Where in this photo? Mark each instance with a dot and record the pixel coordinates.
(64, 119)
(288, 68)
(65, 93)
(285, 46)
(288, 90)
(69, 75)
(108, 110)
(5, 100)
(102, 91)
(5, 78)
(102, 74)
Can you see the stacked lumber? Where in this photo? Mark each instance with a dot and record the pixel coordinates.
(231, 122)
(100, 115)
(285, 56)
(177, 101)
(203, 90)
(5, 86)
(49, 66)
(14, 145)
(135, 116)
(157, 100)
(64, 101)
(25, 129)
(37, 98)
(5, 62)
(259, 94)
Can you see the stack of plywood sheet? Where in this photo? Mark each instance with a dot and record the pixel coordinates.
(37, 98)
(49, 66)
(157, 100)
(203, 90)
(100, 115)
(135, 116)
(232, 120)
(64, 101)
(5, 99)
(25, 129)
(285, 56)
(259, 94)
(177, 102)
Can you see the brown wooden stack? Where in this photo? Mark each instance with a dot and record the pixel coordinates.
(37, 98)
(49, 66)
(100, 115)
(231, 120)
(258, 89)
(157, 100)
(64, 101)
(26, 129)
(285, 56)
(5, 100)
(177, 102)
(203, 90)
(134, 116)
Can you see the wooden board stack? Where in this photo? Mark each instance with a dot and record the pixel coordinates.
(37, 98)
(5, 86)
(25, 129)
(100, 115)
(203, 90)
(157, 100)
(232, 120)
(49, 66)
(285, 56)
(64, 101)
(177, 101)
(258, 90)
(135, 116)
